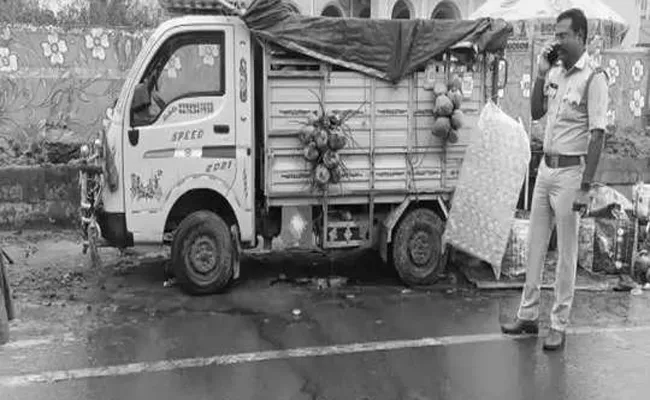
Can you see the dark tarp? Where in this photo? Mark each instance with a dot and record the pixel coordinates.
(386, 49)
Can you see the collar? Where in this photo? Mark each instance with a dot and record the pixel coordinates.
(582, 62)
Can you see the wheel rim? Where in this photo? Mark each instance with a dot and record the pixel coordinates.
(420, 248)
(202, 257)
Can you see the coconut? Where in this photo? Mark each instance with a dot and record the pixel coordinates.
(336, 174)
(311, 152)
(457, 119)
(456, 98)
(439, 88)
(444, 107)
(331, 159)
(321, 140)
(337, 141)
(306, 134)
(322, 174)
(334, 119)
(455, 83)
(312, 119)
(452, 137)
(441, 127)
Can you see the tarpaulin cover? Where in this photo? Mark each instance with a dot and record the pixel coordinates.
(386, 49)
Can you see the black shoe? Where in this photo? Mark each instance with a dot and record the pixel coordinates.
(554, 340)
(520, 327)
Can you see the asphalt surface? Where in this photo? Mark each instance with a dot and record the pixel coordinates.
(295, 339)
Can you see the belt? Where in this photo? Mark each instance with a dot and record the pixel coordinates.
(561, 161)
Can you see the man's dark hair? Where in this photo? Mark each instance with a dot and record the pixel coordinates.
(578, 21)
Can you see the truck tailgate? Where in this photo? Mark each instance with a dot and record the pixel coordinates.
(393, 153)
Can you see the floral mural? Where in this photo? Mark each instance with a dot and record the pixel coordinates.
(54, 49)
(637, 103)
(611, 117)
(613, 71)
(97, 42)
(61, 79)
(8, 60)
(525, 85)
(637, 71)
(596, 60)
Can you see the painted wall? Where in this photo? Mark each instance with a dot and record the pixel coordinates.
(58, 78)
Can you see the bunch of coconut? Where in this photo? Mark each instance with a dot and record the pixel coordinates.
(322, 138)
(448, 98)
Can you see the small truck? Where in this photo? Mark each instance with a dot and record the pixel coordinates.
(220, 126)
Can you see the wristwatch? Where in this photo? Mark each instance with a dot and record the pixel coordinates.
(585, 186)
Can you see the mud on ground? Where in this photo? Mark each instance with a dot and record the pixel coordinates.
(54, 284)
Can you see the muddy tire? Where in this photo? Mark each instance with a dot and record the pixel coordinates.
(202, 254)
(417, 247)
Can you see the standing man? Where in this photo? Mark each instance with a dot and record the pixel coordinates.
(574, 96)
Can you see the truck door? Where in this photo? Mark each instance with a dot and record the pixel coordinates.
(182, 120)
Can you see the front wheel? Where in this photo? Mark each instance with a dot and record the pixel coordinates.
(202, 254)
(417, 247)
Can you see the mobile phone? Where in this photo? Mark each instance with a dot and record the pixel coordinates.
(552, 55)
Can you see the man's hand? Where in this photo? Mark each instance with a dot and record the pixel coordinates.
(543, 66)
(583, 199)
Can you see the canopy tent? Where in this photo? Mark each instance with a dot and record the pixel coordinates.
(532, 18)
(386, 49)
(512, 10)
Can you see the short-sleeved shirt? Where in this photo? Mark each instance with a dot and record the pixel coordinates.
(572, 111)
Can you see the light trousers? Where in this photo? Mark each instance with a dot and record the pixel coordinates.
(555, 191)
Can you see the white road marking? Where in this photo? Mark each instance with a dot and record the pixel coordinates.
(303, 352)
(40, 341)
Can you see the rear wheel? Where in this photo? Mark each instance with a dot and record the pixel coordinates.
(202, 254)
(417, 247)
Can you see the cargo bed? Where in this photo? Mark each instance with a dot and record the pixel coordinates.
(394, 152)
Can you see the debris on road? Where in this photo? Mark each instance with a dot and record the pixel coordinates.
(337, 281)
(625, 284)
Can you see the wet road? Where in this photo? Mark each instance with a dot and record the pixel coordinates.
(372, 341)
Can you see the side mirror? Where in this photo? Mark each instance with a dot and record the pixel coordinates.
(141, 97)
(499, 77)
(502, 74)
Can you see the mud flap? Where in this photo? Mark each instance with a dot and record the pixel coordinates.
(386, 228)
(383, 243)
(236, 252)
